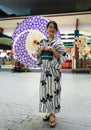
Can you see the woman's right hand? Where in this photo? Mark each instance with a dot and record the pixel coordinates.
(43, 48)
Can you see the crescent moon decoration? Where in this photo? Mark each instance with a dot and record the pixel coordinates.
(31, 29)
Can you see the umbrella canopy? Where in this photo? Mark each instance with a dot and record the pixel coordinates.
(26, 37)
(5, 42)
(33, 40)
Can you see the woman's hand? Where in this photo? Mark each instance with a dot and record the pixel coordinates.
(48, 48)
(43, 48)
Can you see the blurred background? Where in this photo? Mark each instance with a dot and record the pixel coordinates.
(19, 92)
(72, 16)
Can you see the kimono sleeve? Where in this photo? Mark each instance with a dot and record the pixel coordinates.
(61, 49)
(38, 48)
(40, 45)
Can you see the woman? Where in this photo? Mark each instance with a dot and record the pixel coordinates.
(50, 53)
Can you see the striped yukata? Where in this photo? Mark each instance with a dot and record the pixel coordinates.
(50, 82)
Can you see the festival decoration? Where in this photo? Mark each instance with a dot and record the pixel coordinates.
(81, 42)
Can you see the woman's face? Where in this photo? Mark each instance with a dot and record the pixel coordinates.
(51, 29)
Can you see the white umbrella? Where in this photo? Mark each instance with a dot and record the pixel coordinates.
(32, 41)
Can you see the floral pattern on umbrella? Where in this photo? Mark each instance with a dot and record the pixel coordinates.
(19, 38)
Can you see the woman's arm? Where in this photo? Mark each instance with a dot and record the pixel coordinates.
(56, 54)
(40, 51)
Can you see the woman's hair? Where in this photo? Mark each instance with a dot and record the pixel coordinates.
(54, 23)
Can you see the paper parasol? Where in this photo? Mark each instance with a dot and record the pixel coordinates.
(21, 35)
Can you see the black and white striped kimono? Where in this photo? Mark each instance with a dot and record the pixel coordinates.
(50, 82)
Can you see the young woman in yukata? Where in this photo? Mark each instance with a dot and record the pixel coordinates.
(50, 53)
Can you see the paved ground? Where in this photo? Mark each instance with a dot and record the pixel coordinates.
(19, 102)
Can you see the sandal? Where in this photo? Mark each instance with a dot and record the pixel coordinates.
(46, 118)
(52, 120)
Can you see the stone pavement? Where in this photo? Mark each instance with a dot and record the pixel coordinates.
(19, 102)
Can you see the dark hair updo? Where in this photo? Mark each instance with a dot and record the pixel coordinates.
(54, 23)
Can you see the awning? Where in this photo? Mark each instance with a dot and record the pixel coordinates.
(5, 42)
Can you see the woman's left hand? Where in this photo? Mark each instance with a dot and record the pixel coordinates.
(48, 48)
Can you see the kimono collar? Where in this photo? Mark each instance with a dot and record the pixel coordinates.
(51, 40)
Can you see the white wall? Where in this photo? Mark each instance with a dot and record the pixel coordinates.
(85, 29)
(66, 23)
(9, 31)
